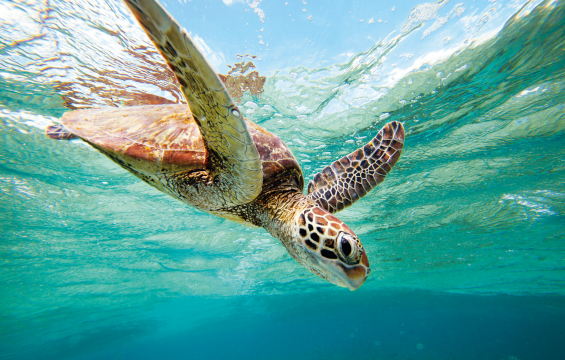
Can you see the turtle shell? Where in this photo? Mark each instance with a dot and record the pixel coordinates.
(155, 139)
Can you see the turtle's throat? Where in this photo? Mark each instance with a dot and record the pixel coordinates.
(279, 211)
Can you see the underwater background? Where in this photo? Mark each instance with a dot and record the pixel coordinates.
(466, 236)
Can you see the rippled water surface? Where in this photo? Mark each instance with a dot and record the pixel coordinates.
(466, 236)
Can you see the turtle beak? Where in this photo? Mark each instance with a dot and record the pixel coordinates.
(358, 274)
(352, 276)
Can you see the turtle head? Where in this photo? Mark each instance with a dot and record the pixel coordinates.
(329, 248)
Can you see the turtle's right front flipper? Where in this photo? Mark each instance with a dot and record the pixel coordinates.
(349, 179)
(235, 165)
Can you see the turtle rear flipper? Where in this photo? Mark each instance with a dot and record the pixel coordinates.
(235, 166)
(59, 132)
(350, 178)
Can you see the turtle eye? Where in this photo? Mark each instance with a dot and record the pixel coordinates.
(347, 247)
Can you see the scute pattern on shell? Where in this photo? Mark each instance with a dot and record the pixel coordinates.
(350, 178)
(276, 157)
(150, 139)
(162, 145)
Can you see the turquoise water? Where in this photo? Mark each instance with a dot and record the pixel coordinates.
(466, 237)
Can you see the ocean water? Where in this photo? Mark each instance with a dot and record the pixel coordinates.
(466, 237)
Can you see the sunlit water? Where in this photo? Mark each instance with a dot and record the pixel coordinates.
(466, 236)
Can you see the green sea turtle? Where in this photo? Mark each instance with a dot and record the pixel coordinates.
(210, 157)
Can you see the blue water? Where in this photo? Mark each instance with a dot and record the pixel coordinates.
(466, 237)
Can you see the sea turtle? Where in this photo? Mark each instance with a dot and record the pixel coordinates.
(210, 157)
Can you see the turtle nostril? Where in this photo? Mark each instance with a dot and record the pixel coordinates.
(345, 247)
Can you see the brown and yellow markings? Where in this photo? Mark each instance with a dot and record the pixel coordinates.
(335, 225)
(140, 139)
(332, 232)
(319, 230)
(174, 118)
(350, 178)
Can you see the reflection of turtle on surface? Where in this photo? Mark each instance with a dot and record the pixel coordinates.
(237, 82)
(212, 158)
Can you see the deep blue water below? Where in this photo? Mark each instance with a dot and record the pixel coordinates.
(373, 325)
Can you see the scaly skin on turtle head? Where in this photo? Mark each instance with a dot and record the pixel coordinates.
(331, 249)
(318, 240)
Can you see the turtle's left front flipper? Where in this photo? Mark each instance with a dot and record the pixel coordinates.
(234, 162)
(349, 179)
